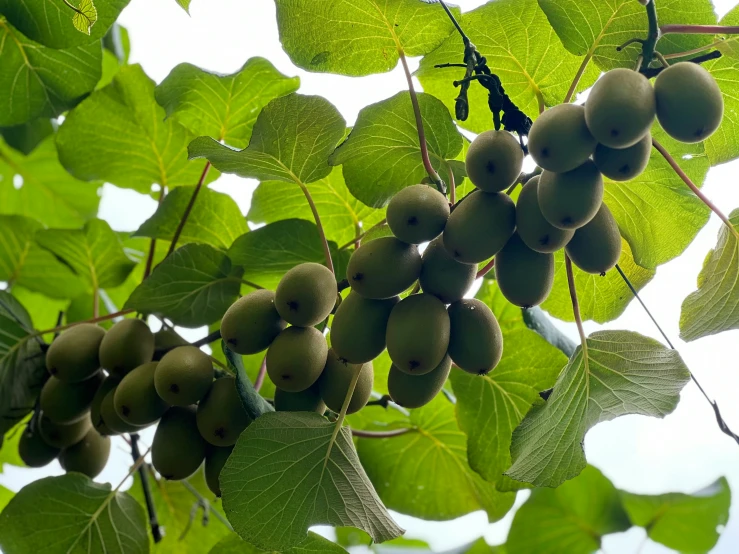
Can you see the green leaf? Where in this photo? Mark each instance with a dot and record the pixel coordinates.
(571, 518)
(25, 138)
(120, 135)
(223, 106)
(683, 522)
(43, 311)
(254, 404)
(279, 473)
(74, 514)
(193, 286)
(5, 497)
(185, 5)
(314, 544)
(84, 19)
(118, 42)
(358, 37)
(9, 450)
(623, 373)
(723, 145)
(481, 547)
(382, 155)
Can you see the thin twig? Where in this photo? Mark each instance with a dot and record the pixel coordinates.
(153, 244)
(452, 188)
(156, 531)
(576, 312)
(188, 209)
(694, 50)
(485, 270)
(576, 80)
(342, 415)
(202, 499)
(259, 381)
(93, 320)
(360, 236)
(654, 71)
(379, 434)
(700, 29)
(319, 225)
(212, 337)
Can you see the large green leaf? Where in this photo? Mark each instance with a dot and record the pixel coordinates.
(623, 373)
(5, 497)
(279, 481)
(26, 137)
(76, 516)
(358, 37)
(9, 448)
(43, 311)
(222, 106)
(723, 145)
(382, 155)
(730, 46)
(314, 544)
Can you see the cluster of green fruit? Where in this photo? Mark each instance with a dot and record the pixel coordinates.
(103, 384)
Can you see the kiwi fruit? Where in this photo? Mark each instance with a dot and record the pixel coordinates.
(64, 402)
(494, 160)
(164, 341)
(306, 294)
(296, 358)
(690, 105)
(624, 164)
(252, 323)
(533, 228)
(96, 415)
(620, 108)
(215, 458)
(178, 449)
(560, 140)
(383, 268)
(443, 276)
(33, 449)
(596, 247)
(89, 456)
(479, 227)
(62, 435)
(136, 400)
(73, 356)
(525, 277)
(358, 328)
(414, 391)
(221, 416)
(308, 400)
(126, 346)
(418, 333)
(335, 381)
(569, 200)
(110, 421)
(183, 376)
(476, 341)
(417, 214)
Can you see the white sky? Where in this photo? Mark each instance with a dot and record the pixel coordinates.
(684, 452)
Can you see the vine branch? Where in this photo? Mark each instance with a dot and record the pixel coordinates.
(361, 433)
(156, 531)
(363, 234)
(93, 320)
(261, 375)
(699, 29)
(485, 270)
(188, 209)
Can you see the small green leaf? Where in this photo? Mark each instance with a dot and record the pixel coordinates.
(25, 138)
(86, 17)
(314, 544)
(185, 5)
(254, 404)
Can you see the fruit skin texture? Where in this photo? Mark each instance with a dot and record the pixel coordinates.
(414, 391)
(335, 381)
(136, 400)
(569, 200)
(296, 358)
(111, 420)
(63, 435)
(533, 228)
(476, 342)
(525, 277)
(479, 226)
(252, 323)
(183, 376)
(443, 276)
(417, 214)
(166, 339)
(73, 356)
(358, 328)
(67, 402)
(418, 333)
(96, 416)
(560, 140)
(596, 247)
(494, 161)
(89, 456)
(626, 163)
(215, 459)
(178, 449)
(128, 344)
(383, 268)
(621, 108)
(33, 450)
(306, 294)
(690, 105)
(308, 400)
(221, 416)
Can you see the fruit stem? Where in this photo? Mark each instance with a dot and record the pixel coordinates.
(452, 188)
(576, 311)
(342, 414)
(380, 434)
(188, 209)
(153, 244)
(95, 302)
(700, 29)
(576, 80)
(360, 236)
(260, 376)
(93, 320)
(156, 531)
(485, 270)
(650, 44)
(319, 225)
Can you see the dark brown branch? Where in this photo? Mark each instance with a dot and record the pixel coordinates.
(156, 531)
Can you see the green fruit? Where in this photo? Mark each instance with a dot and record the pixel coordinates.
(136, 400)
(64, 402)
(417, 214)
(252, 323)
(296, 358)
(596, 247)
(111, 421)
(127, 345)
(96, 416)
(443, 276)
(559, 139)
(33, 450)
(476, 342)
(164, 341)
(620, 109)
(215, 459)
(73, 356)
(183, 376)
(569, 200)
(525, 277)
(479, 226)
(690, 105)
(532, 226)
(626, 163)
(62, 435)
(368, 270)
(418, 333)
(178, 449)
(89, 456)
(221, 416)
(306, 294)
(414, 391)
(308, 400)
(358, 328)
(336, 379)
(494, 161)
